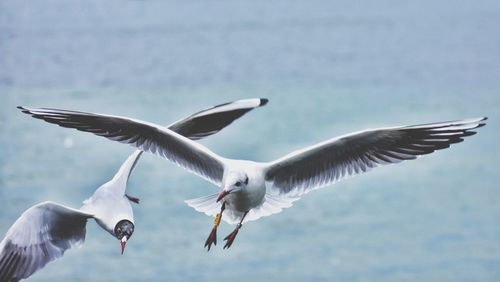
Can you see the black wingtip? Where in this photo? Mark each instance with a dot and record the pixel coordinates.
(24, 110)
(482, 122)
(263, 102)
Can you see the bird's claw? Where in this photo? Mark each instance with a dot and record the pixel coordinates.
(212, 238)
(230, 238)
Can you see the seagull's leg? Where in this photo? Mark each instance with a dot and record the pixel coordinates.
(132, 198)
(212, 238)
(230, 237)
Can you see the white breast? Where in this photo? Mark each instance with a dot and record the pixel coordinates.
(252, 196)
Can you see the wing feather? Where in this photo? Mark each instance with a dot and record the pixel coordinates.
(210, 121)
(142, 135)
(332, 160)
(41, 234)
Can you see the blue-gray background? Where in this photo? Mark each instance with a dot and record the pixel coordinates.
(327, 67)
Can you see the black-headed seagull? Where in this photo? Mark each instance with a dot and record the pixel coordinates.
(46, 230)
(243, 194)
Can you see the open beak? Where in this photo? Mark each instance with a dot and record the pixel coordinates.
(223, 194)
(123, 242)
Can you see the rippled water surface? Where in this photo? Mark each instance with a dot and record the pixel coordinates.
(327, 68)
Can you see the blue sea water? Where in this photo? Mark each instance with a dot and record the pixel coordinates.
(327, 67)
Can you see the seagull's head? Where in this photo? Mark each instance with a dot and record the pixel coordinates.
(234, 182)
(123, 231)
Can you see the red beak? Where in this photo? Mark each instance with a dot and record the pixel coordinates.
(222, 194)
(123, 243)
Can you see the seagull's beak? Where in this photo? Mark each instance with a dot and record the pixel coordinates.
(123, 242)
(223, 194)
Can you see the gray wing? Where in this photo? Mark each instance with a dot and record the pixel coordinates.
(327, 162)
(196, 126)
(145, 136)
(212, 120)
(42, 234)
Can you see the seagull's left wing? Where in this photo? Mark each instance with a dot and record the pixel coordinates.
(327, 162)
(41, 234)
(143, 135)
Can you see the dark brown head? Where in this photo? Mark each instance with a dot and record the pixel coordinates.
(123, 231)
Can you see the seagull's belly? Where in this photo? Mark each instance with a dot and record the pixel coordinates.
(244, 202)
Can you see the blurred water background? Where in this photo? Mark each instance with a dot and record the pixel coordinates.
(328, 68)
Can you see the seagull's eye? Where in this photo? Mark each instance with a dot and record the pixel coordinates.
(237, 184)
(246, 181)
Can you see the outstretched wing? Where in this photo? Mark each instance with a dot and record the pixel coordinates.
(327, 162)
(145, 136)
(40, 235)
(212, 120)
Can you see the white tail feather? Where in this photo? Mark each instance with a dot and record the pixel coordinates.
(272, 204)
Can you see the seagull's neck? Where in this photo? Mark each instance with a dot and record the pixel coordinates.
(236, 168)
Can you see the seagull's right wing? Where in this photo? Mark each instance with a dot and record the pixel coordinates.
(324, 163)
(196, 126)
(142, 135)
(41, 234)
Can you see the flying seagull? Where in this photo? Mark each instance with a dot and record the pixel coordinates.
(46, 230)
(243, 194)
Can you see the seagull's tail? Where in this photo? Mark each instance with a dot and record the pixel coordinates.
(272, 204)
(207, 204)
